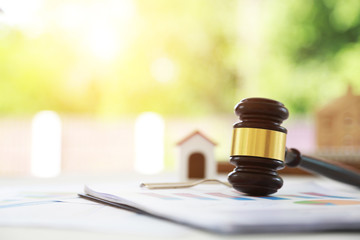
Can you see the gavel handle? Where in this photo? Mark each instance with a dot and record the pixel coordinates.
(336, 171)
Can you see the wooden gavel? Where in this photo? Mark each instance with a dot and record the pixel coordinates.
(259, 150)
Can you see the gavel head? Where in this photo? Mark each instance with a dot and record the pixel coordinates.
(258, 146)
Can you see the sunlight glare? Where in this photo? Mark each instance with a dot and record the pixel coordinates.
(163, 69)
(20, 12)
(100, 29)
(46, 144)
(103, 41)
(149, 143)
(23, 14)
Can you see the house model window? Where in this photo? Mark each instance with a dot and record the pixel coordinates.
(195, 157)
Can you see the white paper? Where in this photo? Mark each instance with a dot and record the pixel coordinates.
(298, 207)
(52, 207)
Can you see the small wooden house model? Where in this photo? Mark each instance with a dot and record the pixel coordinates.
(338, 123)
(195, 157)
(338, 130)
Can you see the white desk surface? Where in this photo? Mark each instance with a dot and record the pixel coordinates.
(7, 233)
(180, 232)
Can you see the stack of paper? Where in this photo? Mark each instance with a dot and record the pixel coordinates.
(298, 207)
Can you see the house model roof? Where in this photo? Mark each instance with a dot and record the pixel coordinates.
(341, 103)
(192, 135)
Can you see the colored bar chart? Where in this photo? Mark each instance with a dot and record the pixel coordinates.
(194, 196)
(222, 195)
(161, 196)
(324, 195)
(305, 198)
(330, 202)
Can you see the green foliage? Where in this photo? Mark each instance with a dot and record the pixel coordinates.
(309, 53)
(314, 54)
(52, 71)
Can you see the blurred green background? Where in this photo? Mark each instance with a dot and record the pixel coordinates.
(99, 64)
(189, 58)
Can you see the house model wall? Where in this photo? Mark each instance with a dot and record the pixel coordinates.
(338, 123)
(195, 157)
(338, 130)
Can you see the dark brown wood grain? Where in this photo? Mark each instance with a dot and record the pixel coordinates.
(257, 175)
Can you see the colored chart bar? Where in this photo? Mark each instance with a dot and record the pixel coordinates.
(229, 196)
(274, 198)
(39, 195)
(190, 195)
(324, 195)
(24, 204)
(330, 202)
(296, 196)
(164, 197)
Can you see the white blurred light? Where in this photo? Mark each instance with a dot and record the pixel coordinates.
(24, 14)
(102, 28)
(20, 12)
(149, 143)
(46, 144)
(163, 69)
(103, 41)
